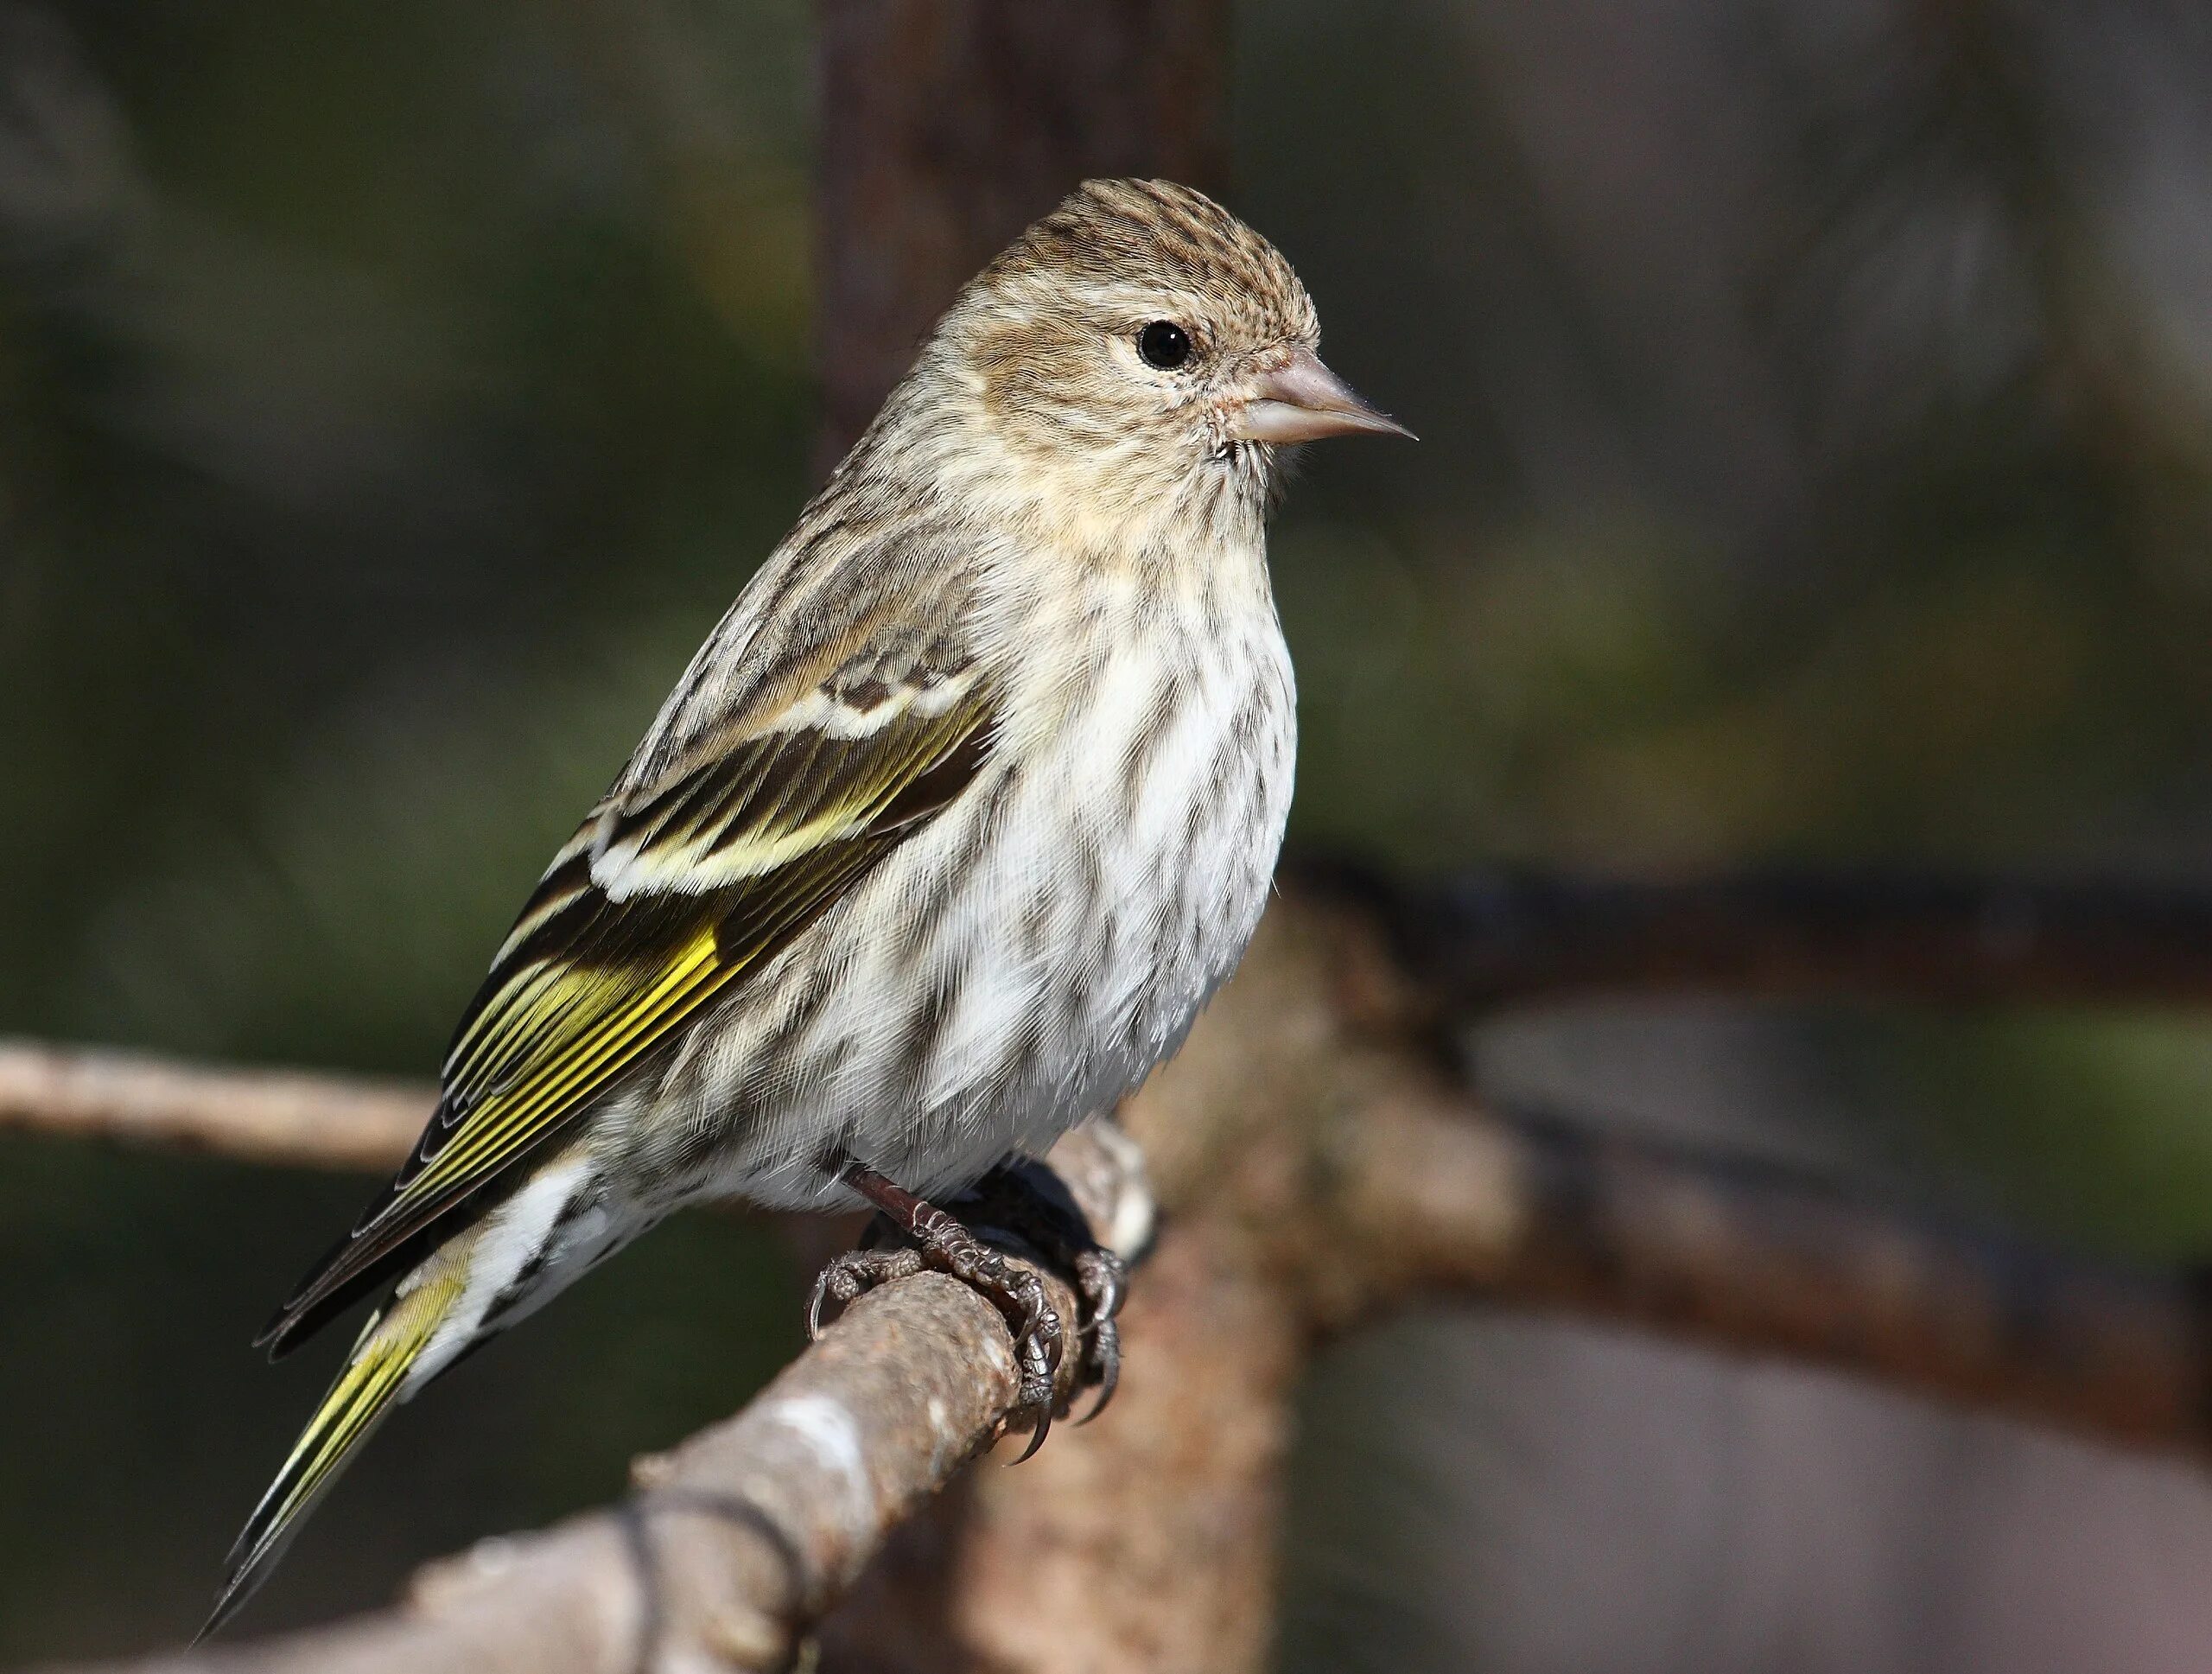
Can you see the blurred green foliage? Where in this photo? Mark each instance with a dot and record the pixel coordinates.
(391, 396)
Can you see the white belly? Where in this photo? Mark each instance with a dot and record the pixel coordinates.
(1022, 962)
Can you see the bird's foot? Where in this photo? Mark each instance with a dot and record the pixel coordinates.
(938, 1241)
(1025, 1204)
(853, 1275)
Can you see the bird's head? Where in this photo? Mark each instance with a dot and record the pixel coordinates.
(1142, 347)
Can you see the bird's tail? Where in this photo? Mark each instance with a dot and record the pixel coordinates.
(376, 1374)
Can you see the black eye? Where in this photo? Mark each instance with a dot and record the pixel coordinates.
(1164, 344)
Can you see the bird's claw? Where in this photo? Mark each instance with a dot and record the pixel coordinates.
(1025, 1208)
(1102, 1278)
(1032, 1206)
(852, 1275)
(1038, 1215)
(1016, 1291)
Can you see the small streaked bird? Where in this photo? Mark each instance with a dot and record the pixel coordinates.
(938, 846)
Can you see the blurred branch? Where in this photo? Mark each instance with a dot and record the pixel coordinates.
(1486, 940)
(285, 1116)
(1316, 1163)
(1479, 942)
(1525, 1211)
(1397, 1182)
(1749, 1259)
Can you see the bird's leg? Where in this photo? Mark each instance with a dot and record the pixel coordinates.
(938, 1240)
(1023, 1202)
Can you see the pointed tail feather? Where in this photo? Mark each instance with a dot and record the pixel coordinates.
(376, 1374)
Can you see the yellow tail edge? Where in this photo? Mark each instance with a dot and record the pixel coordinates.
(362, 1395)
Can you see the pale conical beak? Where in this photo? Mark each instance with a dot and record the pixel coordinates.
(1304, 401)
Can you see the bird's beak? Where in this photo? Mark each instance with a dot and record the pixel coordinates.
(1303, 401)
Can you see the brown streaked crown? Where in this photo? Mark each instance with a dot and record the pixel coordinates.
(1111, 235)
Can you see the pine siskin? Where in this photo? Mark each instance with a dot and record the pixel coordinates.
(938, 846)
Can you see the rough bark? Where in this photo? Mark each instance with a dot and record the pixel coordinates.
(734, 1542)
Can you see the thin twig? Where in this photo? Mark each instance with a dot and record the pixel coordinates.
(1480, 941)
(290, 1116)
(1491, 939)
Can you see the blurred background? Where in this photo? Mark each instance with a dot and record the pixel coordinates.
(1817, 398)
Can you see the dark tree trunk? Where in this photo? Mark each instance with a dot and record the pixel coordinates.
(948, 125)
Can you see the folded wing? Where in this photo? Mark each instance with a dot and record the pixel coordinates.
(665, 898)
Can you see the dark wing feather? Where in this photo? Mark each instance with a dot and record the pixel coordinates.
(664, 899)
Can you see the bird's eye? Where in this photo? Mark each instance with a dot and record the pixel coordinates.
(1164, 344)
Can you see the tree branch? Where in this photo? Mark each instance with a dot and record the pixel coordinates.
(1754, 1261)
(1397, 1182)
(290, 1117)
(1479, 942)
(1316, 1163)
(735, 1544)
(1485, 940)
